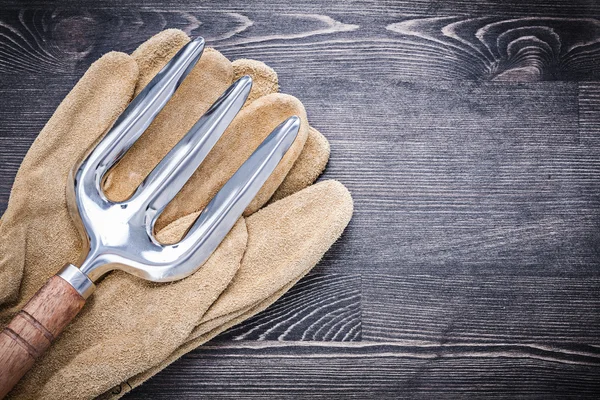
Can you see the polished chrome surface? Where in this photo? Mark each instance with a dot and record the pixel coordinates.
(119, 235)
(80, 282)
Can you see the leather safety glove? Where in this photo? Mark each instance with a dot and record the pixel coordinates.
(129, 328)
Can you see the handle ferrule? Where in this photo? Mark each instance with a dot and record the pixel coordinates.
(80, 281)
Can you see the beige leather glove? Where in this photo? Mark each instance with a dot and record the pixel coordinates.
(130, 328)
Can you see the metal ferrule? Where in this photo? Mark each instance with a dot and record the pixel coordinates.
(80, 281)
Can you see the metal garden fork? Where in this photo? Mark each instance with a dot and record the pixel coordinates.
(120, 235)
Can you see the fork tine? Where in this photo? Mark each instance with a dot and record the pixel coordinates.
(174, 170)
(219, 216)
(144, 108)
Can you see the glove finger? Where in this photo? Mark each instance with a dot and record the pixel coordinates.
(130, 325)
(285, 240)
(36, 220)
(307, 168)
(315, 154)
(264, 78)
(152, 55)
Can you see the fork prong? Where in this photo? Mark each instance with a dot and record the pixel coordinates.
(143, 109)
(174, 170)
(219, 216)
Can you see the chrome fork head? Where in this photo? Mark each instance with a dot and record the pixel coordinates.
(119, 235)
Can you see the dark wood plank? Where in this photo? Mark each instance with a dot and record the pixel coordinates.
(371, 8)
(503, 49)
(589, 113)
(461, 178)
(481, 309)
(320, 307)
(440, 45)
(366, 370)
(468, 133)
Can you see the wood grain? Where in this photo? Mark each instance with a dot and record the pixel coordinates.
(469, 135)
(589, 112)
(367, 370)
(366, 8)
(498, 46)
(481, 309)
(506, 49)
(321, 307)
(462, 178)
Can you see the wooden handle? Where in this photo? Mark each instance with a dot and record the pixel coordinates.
(33, 329)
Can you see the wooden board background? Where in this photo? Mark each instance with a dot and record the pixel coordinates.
(469, 135)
